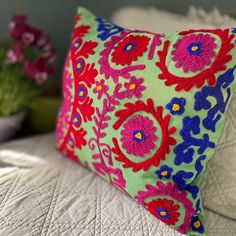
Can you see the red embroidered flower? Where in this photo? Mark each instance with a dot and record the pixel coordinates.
(100, 88)
(194, 52)
(129, 49)
(164, 209)
(138, 136)
(166, 202)
(142, 131)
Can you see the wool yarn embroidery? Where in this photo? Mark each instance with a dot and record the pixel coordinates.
(144, 111)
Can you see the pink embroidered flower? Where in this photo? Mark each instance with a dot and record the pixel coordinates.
(100, 88)
(194, 52)
(130, 49)
(134, 87)
(138, 136)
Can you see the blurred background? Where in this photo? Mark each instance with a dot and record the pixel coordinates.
(56, 19)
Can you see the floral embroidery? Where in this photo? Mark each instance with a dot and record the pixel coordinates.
(163, 125)
(76, 120)
(129, 49)
(161, 191)
(82, 92)
(100, 88)
(194, 52)
(138, 136)
(176, 106)
(107, 69)
(82, 109)
(107, 29)
(164, 172)
(134, 88)
(165, 210)
(198, 80)
(196, 225)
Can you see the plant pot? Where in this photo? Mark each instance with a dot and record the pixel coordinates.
(44, 113)
(9, 125)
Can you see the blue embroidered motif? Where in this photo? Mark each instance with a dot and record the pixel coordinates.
(217, 92)
(107, 29)
(180, 179)
(164, 172)
(176, 106)
(234, 32)
(198, 166)
(196, 224)
(198, 209)
(185, 151)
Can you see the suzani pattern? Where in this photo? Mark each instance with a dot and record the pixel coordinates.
(145, 111)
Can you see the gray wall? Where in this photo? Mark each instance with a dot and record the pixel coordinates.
(56, 16)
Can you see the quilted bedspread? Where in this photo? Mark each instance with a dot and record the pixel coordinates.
(43, 193)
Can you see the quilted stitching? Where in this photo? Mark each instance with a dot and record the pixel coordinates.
(79, 201)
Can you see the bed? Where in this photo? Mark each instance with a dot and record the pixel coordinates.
(43, 193)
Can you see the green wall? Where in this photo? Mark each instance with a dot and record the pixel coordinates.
(56, 16)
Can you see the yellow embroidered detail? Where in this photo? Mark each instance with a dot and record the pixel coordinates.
(175, 107)
(163, 213)
(76, 45)
(75, 120)
(99, 87)
(132, 86)
(78, 66)
(194, 48)
(164, 173)
(129, 47)
(197, 224)
(138, 135)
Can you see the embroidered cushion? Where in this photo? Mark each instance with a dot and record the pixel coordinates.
(218, 186)
(145, 111)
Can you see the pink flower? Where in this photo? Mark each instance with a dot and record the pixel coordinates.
(20, 30)
(100, 88)
(31, 37)
(37, 70)
(17, 25)
(134, 87)
(194, 52)
(138, 136)
(15, 54)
